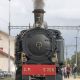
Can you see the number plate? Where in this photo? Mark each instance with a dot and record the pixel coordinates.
(40, 70)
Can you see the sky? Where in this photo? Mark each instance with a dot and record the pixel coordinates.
(58, 12)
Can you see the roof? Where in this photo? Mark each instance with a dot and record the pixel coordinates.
(7, 34)
(4, 33)
(6, 55)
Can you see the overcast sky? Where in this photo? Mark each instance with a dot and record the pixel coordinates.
(58, 12)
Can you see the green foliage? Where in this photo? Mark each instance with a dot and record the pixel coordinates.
(73, 60)
(68, 61)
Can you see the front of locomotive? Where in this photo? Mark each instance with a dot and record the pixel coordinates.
(38, 51)
(38, 46)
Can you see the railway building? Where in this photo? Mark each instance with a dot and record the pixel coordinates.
(4, 51)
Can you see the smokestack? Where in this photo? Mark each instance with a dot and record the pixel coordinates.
(38, 17)
(38, 12)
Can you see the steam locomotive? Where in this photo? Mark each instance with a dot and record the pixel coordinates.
(39, 52)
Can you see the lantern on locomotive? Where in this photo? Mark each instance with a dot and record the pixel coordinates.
(39, 47)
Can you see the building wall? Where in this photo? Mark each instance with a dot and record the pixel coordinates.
(4, 43)
(4, 64)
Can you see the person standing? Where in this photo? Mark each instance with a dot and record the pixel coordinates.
(75, 70)
(68, 69)
(64, 71)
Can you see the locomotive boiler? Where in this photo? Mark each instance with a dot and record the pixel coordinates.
(39, 52)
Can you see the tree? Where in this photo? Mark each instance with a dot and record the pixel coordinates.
(73, 60)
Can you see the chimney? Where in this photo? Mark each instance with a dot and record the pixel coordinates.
(38, 17)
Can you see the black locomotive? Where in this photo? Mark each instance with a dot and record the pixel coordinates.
(39, 46)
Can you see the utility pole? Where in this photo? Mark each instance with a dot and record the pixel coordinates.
(66, 54)
(76, 49)
(9, 40)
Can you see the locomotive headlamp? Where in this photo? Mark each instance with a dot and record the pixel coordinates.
(23, 58)
(54, 58)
